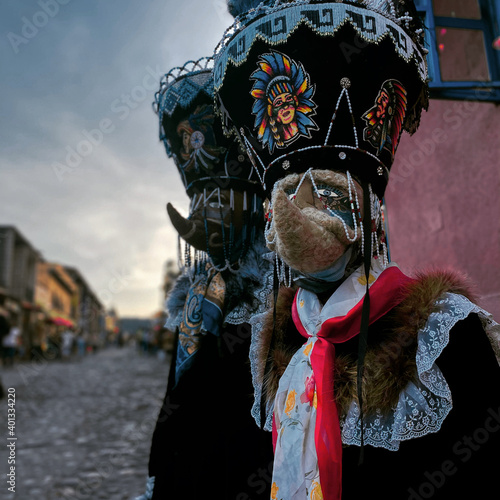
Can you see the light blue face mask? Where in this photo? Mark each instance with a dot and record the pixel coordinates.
(323, 280)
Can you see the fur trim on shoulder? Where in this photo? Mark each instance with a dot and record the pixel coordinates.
(277, 351)
(390, 359)
(428, 286)
(177, 296)
(241, 285)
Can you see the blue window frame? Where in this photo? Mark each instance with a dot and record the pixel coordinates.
(455, 43)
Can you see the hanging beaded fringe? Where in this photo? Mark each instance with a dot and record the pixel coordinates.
(353, 199)
(189, 260)
(379, 248)
(283, 271)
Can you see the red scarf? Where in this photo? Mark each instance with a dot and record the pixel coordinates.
(385, 294)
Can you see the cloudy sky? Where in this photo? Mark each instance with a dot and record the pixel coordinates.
(83, 175)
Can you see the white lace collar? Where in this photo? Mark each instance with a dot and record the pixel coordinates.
(312, 314)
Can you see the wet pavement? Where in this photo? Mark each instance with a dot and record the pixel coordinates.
(83, 427)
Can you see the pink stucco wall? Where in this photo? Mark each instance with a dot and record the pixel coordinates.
(443, 197)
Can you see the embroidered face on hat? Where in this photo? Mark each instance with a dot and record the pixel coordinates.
(322, 85)
(226, 197)
(283, 104)
(192, 133)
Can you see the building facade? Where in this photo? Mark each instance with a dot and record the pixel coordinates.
(443, 198)
(90, 311)
(18, 267)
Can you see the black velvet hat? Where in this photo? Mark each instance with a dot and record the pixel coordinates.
(192, 133)
(329, 85)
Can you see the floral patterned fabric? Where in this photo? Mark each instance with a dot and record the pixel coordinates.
(296, 475)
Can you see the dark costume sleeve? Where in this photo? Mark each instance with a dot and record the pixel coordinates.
(462, 460)
(205, 424)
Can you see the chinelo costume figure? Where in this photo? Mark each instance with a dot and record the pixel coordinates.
(205, 442)
(373, 383)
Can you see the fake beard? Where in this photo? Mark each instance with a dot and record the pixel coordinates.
(308, 239)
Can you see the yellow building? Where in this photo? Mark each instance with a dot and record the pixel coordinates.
(56, 293)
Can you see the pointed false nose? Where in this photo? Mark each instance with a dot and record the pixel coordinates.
(192, 232)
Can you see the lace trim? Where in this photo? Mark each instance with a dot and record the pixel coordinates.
(245, 312)
(424, 405)
(257, 367)
(148, 494)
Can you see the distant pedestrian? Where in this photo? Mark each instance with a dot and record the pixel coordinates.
(67, 343)
(9, 344)
(144, 340)
(4, 324)
(80, 344)
(38, 340)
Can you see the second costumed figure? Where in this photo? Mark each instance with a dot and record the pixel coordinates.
(205, 443)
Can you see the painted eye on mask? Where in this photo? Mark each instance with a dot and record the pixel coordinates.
(290, 193)
(326, 191)
(333, 197)
(329, 192)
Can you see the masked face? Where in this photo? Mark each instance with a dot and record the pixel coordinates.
(284, 108)
(212, 222)
(313, 224)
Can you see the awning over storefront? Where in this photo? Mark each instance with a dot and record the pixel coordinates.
(60, 321)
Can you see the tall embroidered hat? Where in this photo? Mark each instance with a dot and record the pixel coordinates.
(192, 134)
(226, 195)
(328, 85)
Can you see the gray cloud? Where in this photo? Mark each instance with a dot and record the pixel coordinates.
(81, 89)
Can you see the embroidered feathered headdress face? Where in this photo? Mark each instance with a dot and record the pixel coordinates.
(283, 104)
(384, 122)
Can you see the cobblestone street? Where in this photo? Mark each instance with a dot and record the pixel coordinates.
(83, 427)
